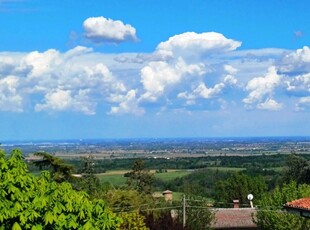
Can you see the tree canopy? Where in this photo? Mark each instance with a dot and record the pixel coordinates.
(297, 169)
(139, 178)
(271, 214)
(38, 202)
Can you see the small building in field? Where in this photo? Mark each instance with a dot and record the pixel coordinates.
(168, 195)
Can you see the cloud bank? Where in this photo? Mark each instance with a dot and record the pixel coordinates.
(187, 72)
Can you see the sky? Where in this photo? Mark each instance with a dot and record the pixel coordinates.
(154, 69)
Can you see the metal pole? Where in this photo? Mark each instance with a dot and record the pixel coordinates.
(184, 211)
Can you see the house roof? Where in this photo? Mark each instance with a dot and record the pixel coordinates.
(234, 218)
(303, 203)
(167, 192)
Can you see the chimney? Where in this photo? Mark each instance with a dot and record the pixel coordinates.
(168, 195)
(236, 203)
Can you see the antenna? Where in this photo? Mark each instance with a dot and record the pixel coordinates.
(250, 198)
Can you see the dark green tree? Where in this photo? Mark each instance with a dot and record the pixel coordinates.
(60, 170)
(297, 169)
(139, 178)
(89, 181)
(198, 215)
(238, 186)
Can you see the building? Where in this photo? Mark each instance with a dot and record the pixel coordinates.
(299, 207)
(168, 195)
(234, 218)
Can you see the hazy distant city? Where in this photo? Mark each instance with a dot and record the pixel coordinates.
(186, 147)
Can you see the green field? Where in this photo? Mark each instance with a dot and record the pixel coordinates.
(227, 169)
(116, 177)
(172, 174)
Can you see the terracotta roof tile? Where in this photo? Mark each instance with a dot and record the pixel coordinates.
(234, 218)
(303, 203)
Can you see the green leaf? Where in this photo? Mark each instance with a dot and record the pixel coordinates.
(49, 218)
(16, 226)
(37, 227)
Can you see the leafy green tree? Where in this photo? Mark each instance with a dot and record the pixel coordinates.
(132, 220)
(298, 169)
(89, 181)
(198, 215)
(128, 204)
(30, 202)
(60, 170)
(139, 178)
(271, 215)
(126, 199)
(238, 186)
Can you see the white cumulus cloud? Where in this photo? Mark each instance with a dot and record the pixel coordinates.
(270, 104)
(100, 29)
(10, 97)
(202, 91)
(295, 63)
(303, 104)
(76, 80)
(156, 77)
(261, 88)
(127, 104)
(192, 44)
(62, 100)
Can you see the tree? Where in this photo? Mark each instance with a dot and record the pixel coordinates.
(89, 182)
(298, 169)
(30, 202)
(198, 215)
(270, 214)
(58, 168)
(128, 203)
(238, 186)
(139, 178)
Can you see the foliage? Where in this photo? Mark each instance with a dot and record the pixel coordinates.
(89, 182)
(128, 204)
(163, 221)
(132, 220)
(198, 215)
(60, 170)
(261, 161)
(126, 199)
(139, 178)
(298, 169)
(238, 186)
(270, 214)
(199, 182)
(29, 202)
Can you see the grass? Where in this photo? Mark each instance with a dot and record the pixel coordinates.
(226, 168)
(172, 174)
(116, 177)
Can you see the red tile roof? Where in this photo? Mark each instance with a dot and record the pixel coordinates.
(303, 203)
(233, 218)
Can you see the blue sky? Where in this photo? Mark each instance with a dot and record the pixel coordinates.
(128, 69)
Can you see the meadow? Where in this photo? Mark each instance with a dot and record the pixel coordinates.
(116, 177)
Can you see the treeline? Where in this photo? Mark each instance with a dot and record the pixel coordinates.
(256, 161)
